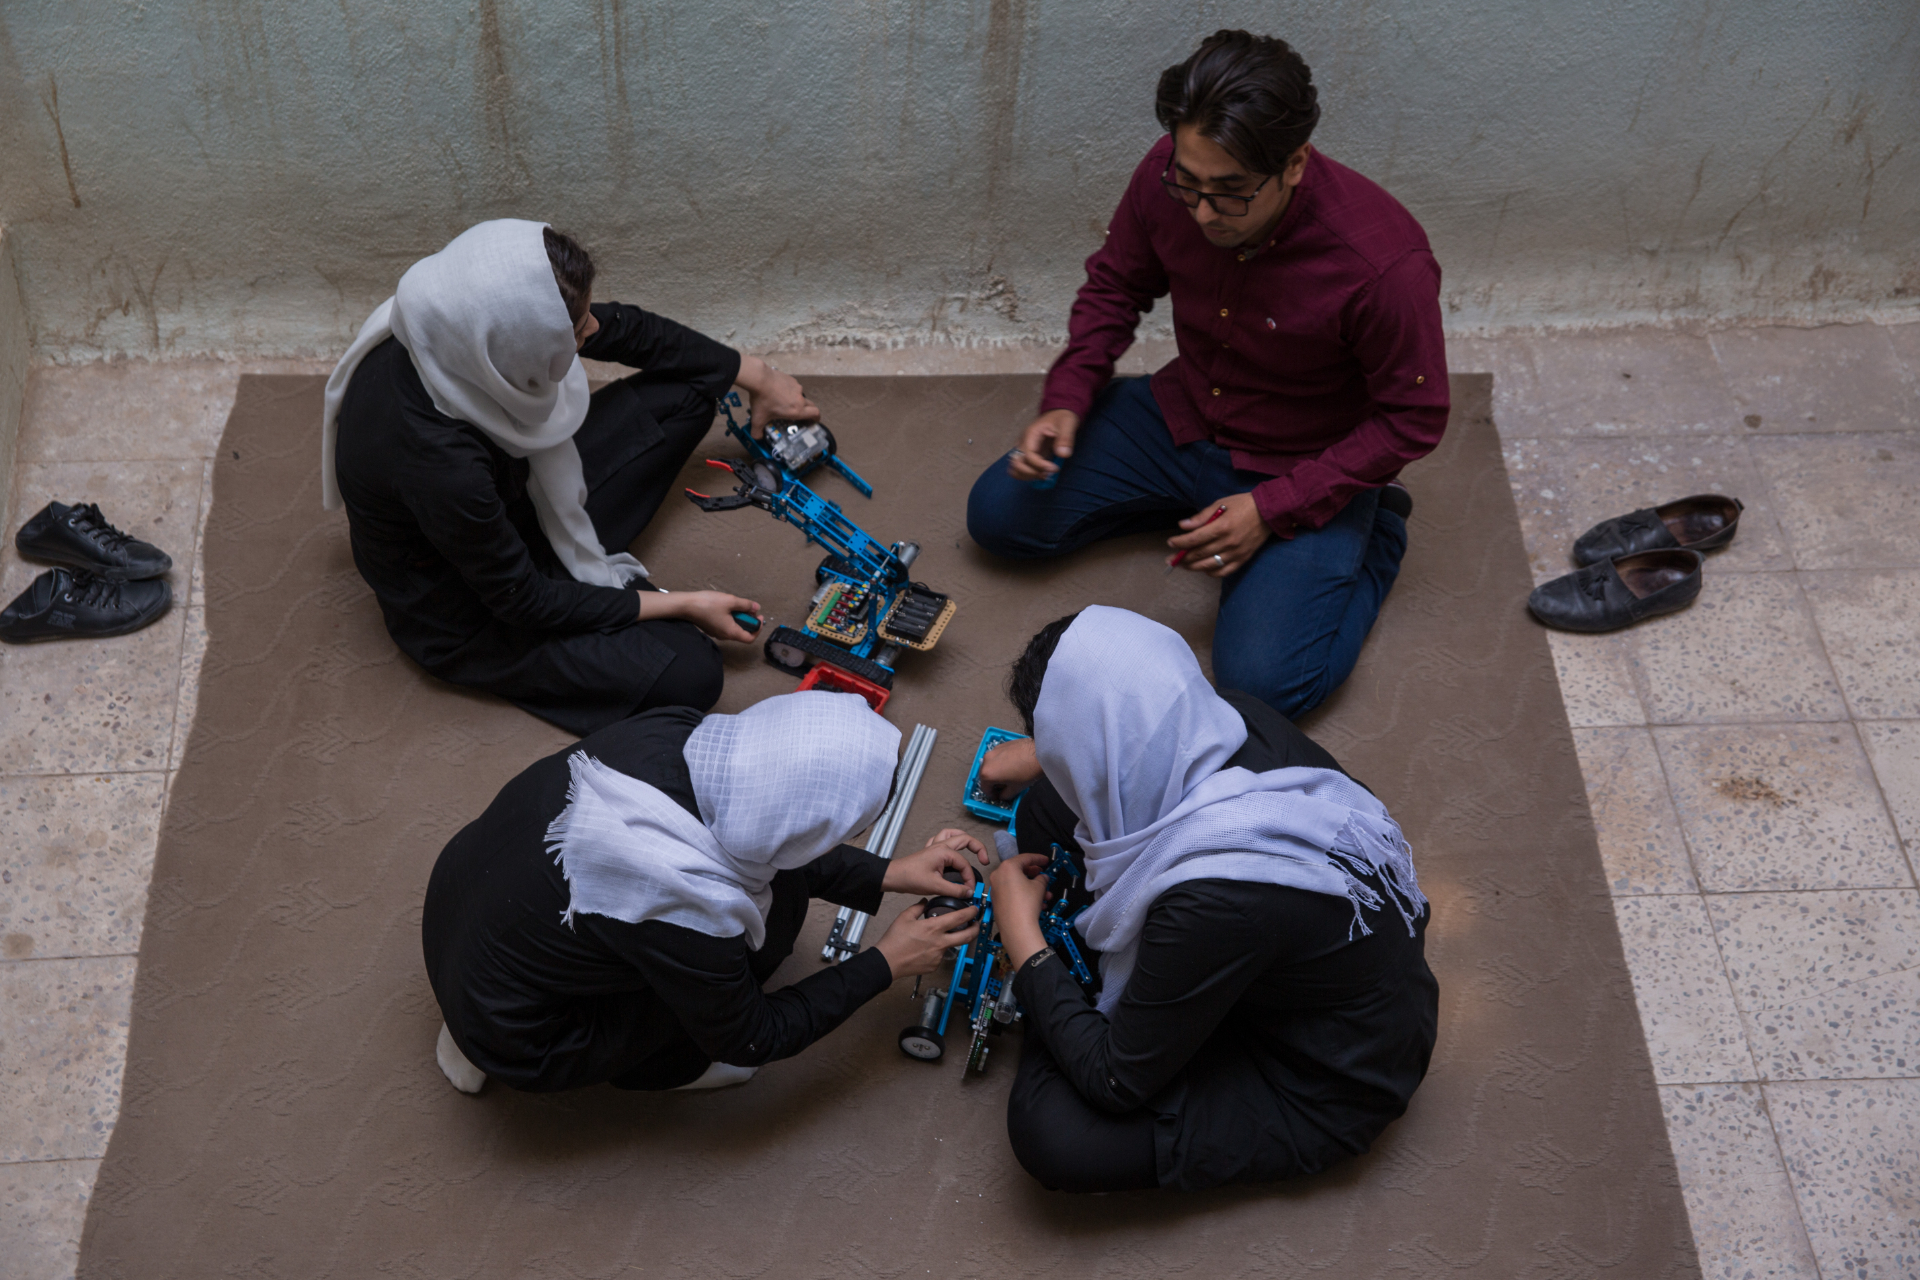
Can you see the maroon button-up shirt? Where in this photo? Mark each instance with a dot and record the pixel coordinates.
(1316, 359)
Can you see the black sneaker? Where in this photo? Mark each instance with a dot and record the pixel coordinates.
(63, 604)
(80, 538)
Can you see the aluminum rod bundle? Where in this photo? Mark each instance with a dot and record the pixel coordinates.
(843, 940)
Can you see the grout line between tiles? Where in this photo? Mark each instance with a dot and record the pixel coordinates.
(1706, 910)
(92, 955)
(1799, 1193)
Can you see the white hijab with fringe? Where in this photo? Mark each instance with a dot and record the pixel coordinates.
(492, 341)
(1136, 740)
(778, 785)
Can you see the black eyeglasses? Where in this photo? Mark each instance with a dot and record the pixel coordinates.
(1225, 206)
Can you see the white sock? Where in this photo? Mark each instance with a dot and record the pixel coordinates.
(460, 1073)
(718, 1075)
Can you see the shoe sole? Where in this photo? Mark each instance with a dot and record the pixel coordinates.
(128, 629)
(92, 567)
(1602, 631)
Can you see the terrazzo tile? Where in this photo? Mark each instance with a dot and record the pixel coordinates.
(42, 1207)
(1870, 622)
(76, 854)
(1596, 678)
(1828, 983)
(91, 706)
(1641, 844)
(1840, 377)
(1745, 650)
(1894, 748)
(1692, 1025)
(193, 652)
(1847, 501)
(1850, 1149)
(1740, 1201)
(1565, 487)
(1781, 807)
(66, 1044)
(135, 409)
(1642, 382)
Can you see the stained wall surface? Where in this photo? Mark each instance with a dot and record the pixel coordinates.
(253, 175)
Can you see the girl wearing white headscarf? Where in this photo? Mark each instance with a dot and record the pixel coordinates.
(490, 498)
(1265, 1007)
(612, 915)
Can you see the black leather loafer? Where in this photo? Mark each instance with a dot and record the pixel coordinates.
(80, 538)
(1618, 593)
(64, 605)
(1699, 523)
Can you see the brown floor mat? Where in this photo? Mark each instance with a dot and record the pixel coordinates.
(282, 1115)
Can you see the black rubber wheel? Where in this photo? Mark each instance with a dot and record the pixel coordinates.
(923, 1043)
(786, 644)
(783, 653)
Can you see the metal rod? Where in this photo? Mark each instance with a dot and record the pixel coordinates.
(849, 926)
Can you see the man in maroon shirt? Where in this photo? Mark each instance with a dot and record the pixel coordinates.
(1311, 369)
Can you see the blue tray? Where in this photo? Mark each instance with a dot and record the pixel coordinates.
(976, 801)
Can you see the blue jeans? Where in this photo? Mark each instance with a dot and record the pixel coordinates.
(1291, 621)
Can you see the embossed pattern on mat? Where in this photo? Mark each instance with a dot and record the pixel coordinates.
(282, 1115)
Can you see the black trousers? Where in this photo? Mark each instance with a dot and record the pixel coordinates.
(636, 438)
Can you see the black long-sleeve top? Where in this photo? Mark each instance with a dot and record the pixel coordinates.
(441, 524)
(542, 1005)
(1249, 1006)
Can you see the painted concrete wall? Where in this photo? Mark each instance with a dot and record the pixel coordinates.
(252, 175)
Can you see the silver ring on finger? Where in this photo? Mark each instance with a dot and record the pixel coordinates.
(1218, 563)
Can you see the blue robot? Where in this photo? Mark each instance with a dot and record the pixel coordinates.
(866, 609)
(980, 988)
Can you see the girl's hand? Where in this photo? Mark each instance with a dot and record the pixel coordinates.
(913, 945)
(711, 611)
(924, 872)
(776, 396)
(1009, 767)
(1019, 888)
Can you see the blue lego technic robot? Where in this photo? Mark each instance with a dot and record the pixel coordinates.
(865, 610)
(980, 989)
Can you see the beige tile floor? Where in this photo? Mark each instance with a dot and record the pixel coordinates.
(1754, 763)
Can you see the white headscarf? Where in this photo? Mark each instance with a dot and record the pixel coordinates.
(778, 785)
(1135, 739)
(492, 341)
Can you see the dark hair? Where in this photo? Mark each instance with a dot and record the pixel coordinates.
(1030, 668)
(572, 271)
(1253, 95)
